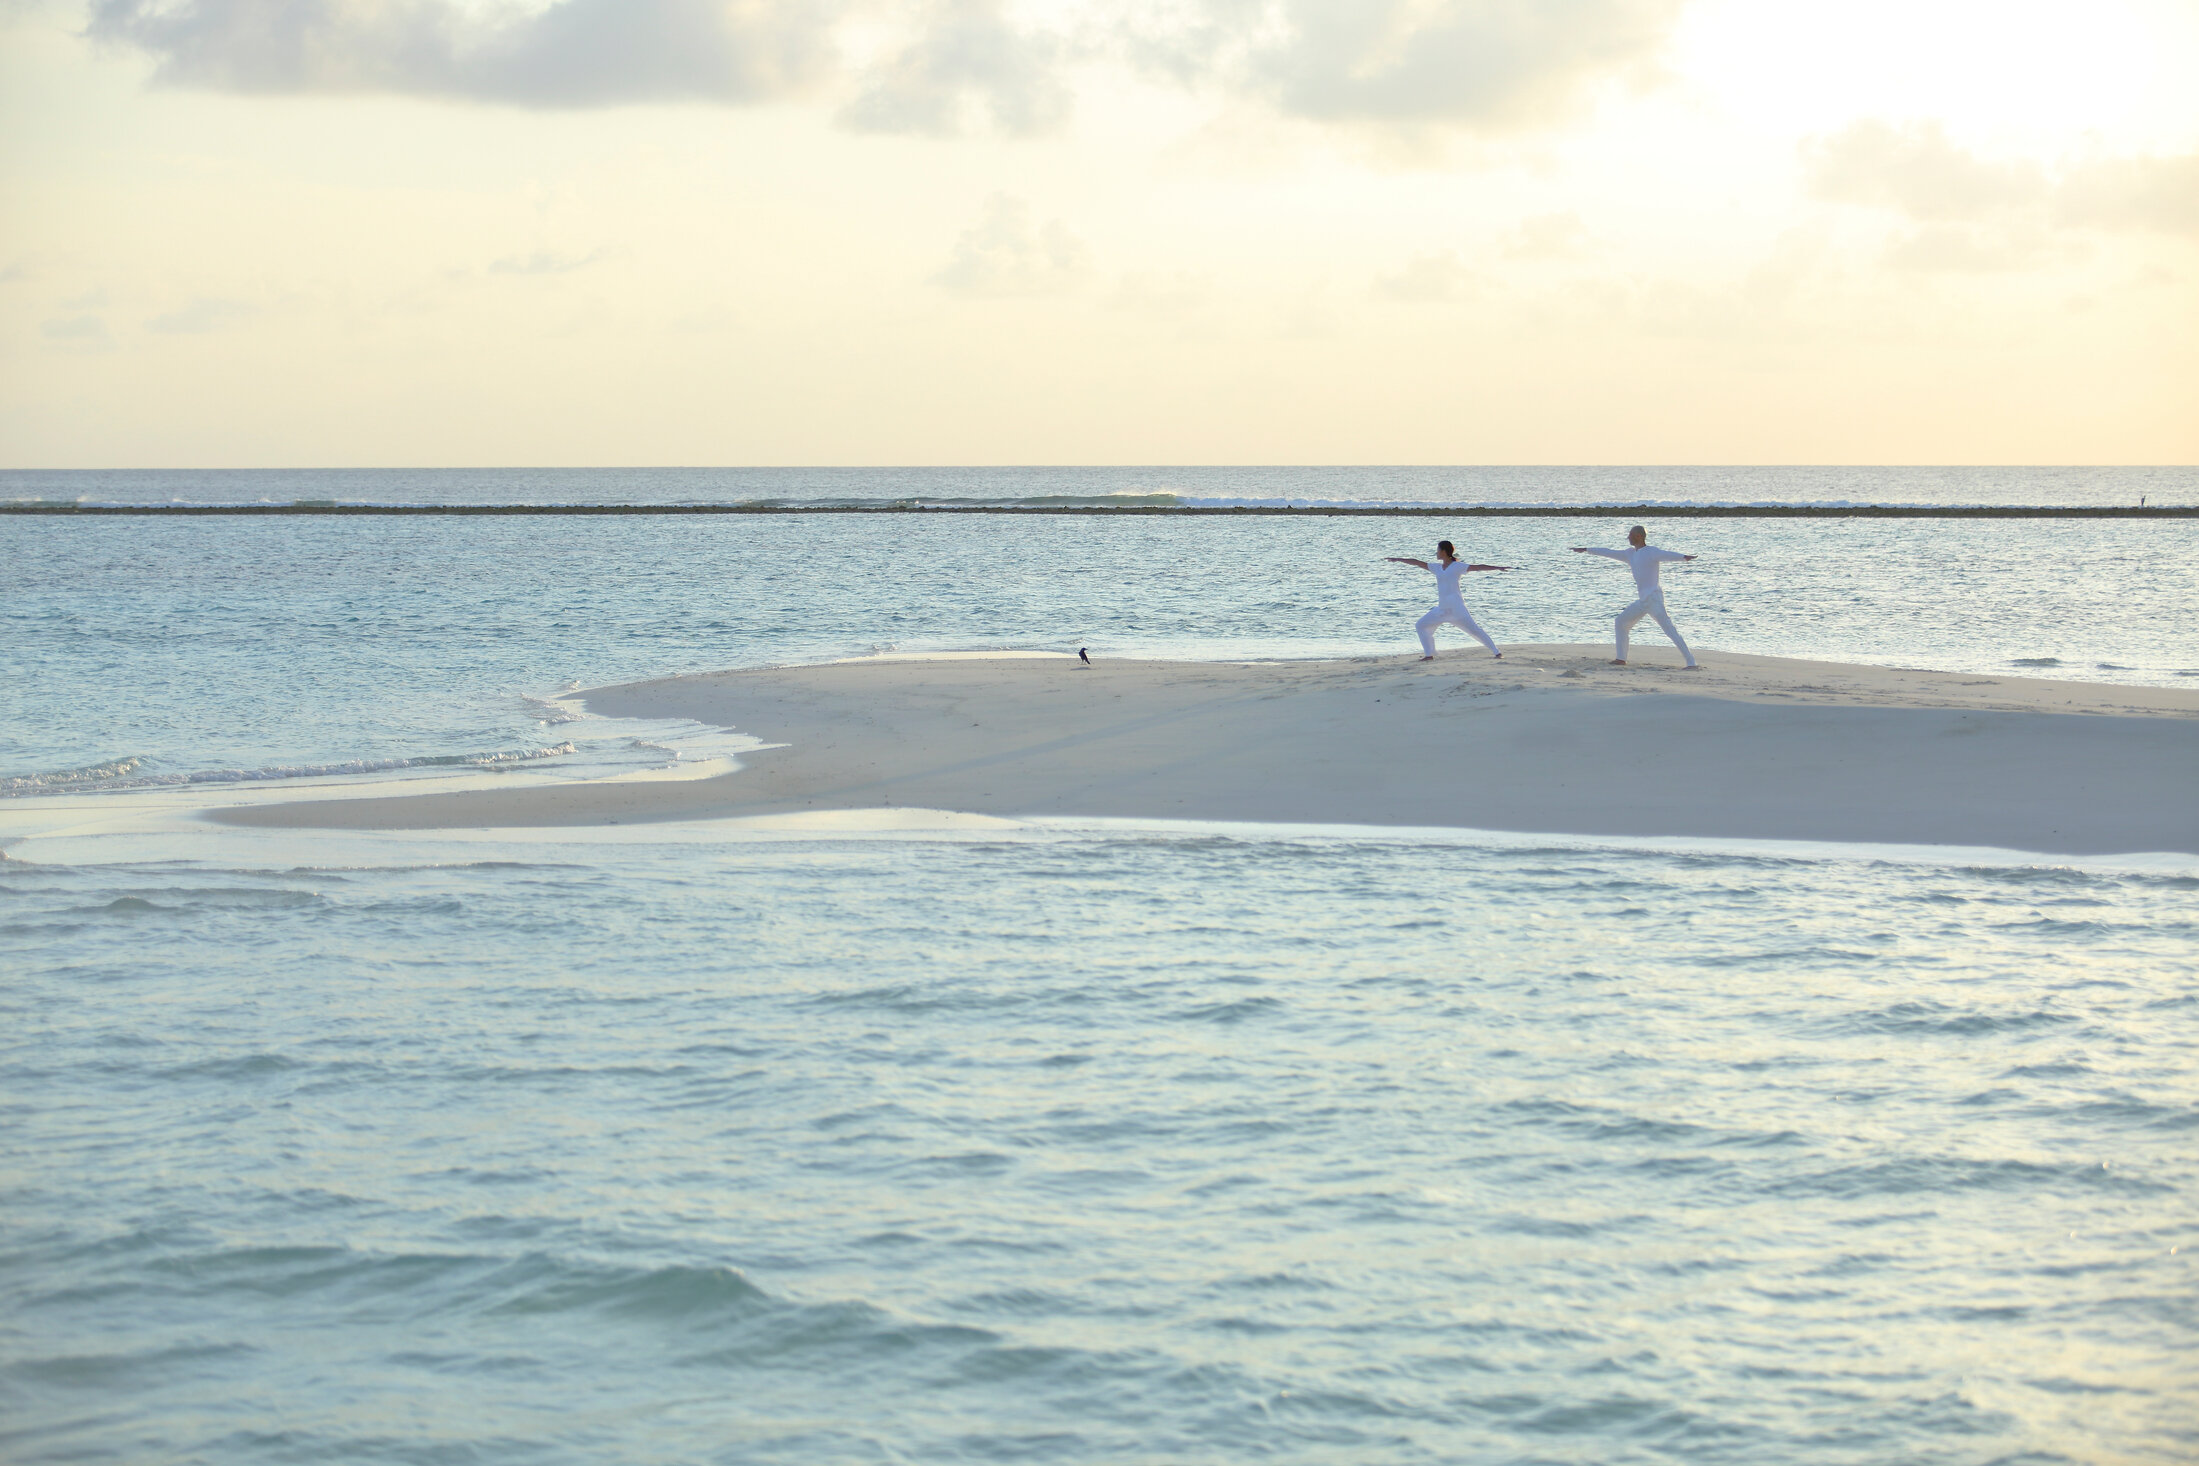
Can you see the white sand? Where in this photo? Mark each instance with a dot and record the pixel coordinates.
(1748, 748)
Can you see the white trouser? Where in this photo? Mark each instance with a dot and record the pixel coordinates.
(1652, 606)
(1456, 616)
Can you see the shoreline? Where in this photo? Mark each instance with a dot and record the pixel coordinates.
(1188, 511)
(1551, 740)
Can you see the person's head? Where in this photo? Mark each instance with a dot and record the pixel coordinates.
(1637, 537)
(1443, 548)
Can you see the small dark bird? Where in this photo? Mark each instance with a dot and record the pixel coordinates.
(1084, 657)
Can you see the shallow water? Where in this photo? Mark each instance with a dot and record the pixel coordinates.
(243, 645)
(1100, 1142)
(1101, 1146)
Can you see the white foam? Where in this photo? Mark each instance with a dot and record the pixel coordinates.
(128, 811)
(157, 826)
(148, 833)
(2142, 862)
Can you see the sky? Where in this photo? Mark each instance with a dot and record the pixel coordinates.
(293, 233)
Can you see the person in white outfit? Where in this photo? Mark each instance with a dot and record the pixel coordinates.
(1446, 567)
(1643, 558)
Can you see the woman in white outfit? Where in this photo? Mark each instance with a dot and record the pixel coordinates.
(1446, 567)
(1643, 558)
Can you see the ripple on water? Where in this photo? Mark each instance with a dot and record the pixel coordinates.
(1173, 1154)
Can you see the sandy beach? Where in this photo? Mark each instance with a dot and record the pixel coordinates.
(1550, 739)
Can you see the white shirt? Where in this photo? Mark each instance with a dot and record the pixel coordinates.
(1446, 581)
(1643, 562)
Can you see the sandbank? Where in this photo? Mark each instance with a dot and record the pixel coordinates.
(1551, 740)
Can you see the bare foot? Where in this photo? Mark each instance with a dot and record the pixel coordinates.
(1618, 661)
(1427, 659)
(1692, 667)
(1500, 656)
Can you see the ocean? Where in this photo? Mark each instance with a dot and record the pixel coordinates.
(1070, 1140)
(1398, 487)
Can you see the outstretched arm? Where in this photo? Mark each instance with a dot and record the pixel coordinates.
(1401, 560)
(1607, 554)
(1488, 567)
(1664, 556)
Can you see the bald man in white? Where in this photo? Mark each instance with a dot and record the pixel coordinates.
(1643, 558)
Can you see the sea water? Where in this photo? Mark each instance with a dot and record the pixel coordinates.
(1081, 1141)
(228, 645)
(1152, 486)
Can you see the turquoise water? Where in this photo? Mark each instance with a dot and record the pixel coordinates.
(232, 645)
(1117, 1146)
(1098, 1142)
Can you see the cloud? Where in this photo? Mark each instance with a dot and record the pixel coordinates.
(76, 331)
(1173, 295)
(1548, 237)
(944, 67)
(201, 316)
(708, 321)
(2160, 194)
(1798, 292)
(1310, 317)
(570, 53)
(966, 59)
(1972, 249)
(1434, 277)
(1917, 171)
(1003, 255)
(543, 262)
(1480, 63)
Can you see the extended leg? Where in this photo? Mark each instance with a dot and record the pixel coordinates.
(1426, 626)
(1623, 623)
(1473, 629)
(1672, 631)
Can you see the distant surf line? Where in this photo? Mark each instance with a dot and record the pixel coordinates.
(1190, 511)
(123, 773)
